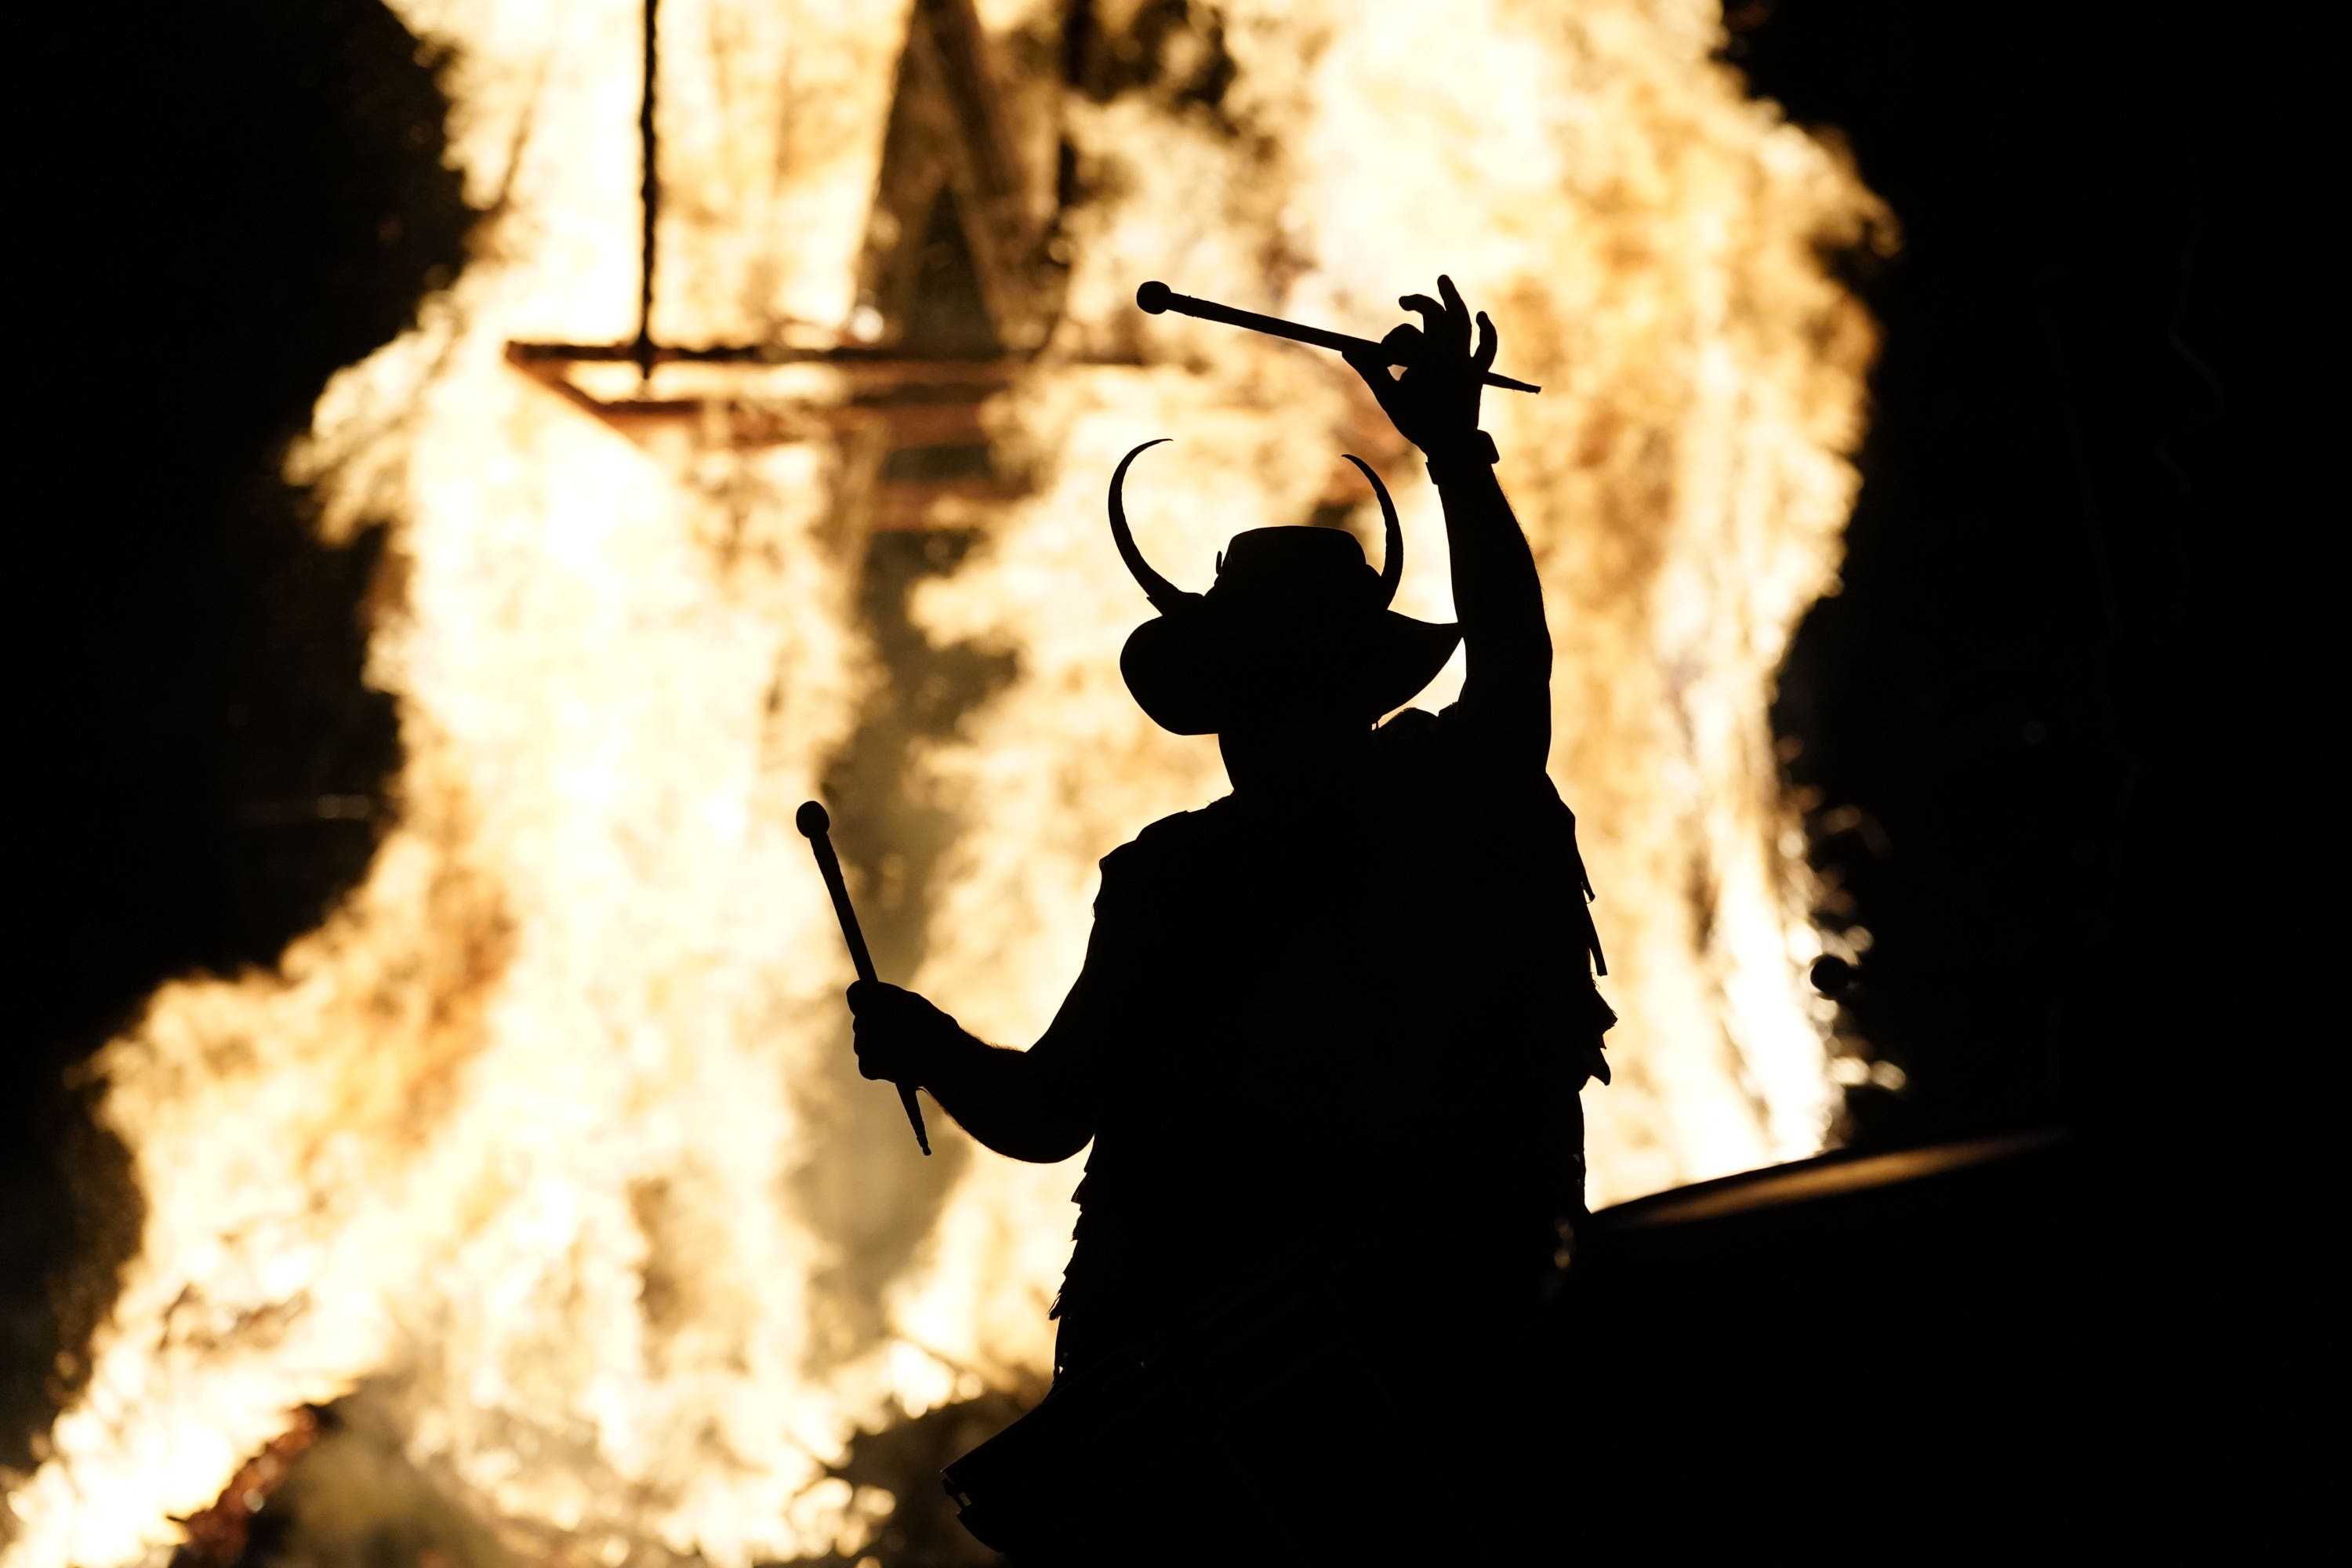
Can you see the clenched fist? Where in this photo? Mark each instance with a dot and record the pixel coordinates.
(900, 1036)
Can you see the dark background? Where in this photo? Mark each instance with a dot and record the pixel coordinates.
(2062, 731)
(2065, 724)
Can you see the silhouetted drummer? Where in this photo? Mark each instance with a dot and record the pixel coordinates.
(1330, 1029)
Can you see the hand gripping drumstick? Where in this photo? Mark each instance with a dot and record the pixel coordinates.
(1154, 297)
(816, 826)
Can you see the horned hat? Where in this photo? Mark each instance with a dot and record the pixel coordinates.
(1289, 605)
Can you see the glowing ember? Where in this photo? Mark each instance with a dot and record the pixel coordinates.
(524, 1131)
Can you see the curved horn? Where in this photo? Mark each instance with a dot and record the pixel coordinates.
(1393, 536)
(1162, 593)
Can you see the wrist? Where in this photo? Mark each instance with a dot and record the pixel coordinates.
(943, 1049)
(1461, 455)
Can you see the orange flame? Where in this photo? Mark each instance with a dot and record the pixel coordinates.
(517, 1132)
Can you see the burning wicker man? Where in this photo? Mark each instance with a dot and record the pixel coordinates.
(1327, 1042)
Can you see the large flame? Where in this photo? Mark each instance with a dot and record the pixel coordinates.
(523, 1133)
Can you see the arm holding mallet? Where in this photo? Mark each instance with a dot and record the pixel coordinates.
(1028, 1104)
(817, 829)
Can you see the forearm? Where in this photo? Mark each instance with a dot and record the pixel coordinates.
(1498, 597)
(1010, 1100)
(1496, 592)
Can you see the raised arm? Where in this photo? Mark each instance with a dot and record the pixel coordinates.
(1506, 694)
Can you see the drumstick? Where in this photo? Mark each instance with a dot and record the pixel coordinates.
(817, 827)
(1154, 297)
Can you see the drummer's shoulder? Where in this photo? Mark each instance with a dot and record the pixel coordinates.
(1454, 732)
(1173, 841)
(1414, 742)
(1411, 730)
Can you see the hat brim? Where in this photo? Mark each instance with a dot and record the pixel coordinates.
(1185, 672)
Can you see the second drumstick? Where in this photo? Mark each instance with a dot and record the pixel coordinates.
(1155, 299)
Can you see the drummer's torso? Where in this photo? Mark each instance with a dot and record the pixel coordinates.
(1304, 1048)
(1298, 986)
(1315, 1078)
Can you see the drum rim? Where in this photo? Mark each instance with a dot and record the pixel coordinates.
(1841, 1173)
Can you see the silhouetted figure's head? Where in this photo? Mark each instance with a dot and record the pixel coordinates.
(1291, 656)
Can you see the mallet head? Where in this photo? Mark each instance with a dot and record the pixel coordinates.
(1832, 976)
(812, 820)
(1151, 299)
